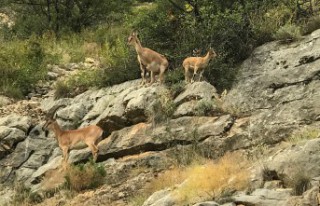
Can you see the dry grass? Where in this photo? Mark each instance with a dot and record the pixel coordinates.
(169, 178)
(304, 134)
(213, 179)
(85, 176)
(24, 196)
(53, 179)
(198, 182)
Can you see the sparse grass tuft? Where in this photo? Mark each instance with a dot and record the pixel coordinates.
(162, 109)
(138, 199)
(24, 196)
(85, 176)
(205, 107)
(169, 178)
(288, 33)
(299, 182)
(304, 134)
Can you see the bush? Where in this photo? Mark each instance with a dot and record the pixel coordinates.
(162, 109)
(85, 176)
(173, 77)
(204, 107)
(77, 84)
(299, 182)
(204, 181)
(212, 179)
(288, 33)
(267, 20)
(312, 24)
(174, 80)
(22, 65)
(24, 196)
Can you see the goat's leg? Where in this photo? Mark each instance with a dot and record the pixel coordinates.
(152, 78)
(200, 76)
(65, 152)
(143, 76)
(161, 75)
(143, 72)
(186, 75)
(94, 151)
(194, 74)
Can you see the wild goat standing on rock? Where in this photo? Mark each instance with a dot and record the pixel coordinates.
(148, 59)
(69, 138)
(197, 64)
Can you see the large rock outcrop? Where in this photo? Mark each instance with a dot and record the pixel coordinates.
(278, 86)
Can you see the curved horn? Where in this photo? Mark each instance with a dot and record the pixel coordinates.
(52, 113)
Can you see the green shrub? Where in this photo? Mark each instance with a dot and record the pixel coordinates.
(176, 89)
(312, 24)
(267, 20)
(85, 176)
(24, 196)
(22, 65)
(288, 33)
(77, 83)
(204, 107)
(174, 80)
(174, 76)
(162, 109)
(117, 75)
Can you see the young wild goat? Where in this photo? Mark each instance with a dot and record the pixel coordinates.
(68, 138)
(197, 64)
(149, 60)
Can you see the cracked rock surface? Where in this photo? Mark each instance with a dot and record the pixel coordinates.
(278, 86)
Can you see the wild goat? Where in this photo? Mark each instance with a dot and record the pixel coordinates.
(149, 60)
(197, 64)
(68, 138)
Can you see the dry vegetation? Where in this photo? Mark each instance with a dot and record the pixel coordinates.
(303, 134)
(211, 180)
(198, 182)
(85, 176)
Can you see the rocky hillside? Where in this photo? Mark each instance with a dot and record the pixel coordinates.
(267, 116)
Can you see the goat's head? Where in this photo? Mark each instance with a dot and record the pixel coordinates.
(132, 38)
(48, 124)
(50, 120)
(212, 53)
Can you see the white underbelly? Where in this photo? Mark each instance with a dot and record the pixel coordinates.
(154, 67)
